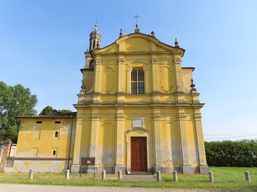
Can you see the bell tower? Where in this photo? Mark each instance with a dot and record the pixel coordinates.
(95, 39)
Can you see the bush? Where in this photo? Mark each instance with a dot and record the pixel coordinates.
(231, 153)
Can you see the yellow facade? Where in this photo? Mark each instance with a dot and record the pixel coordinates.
(45, 144)
(169, 108)
(135, 94)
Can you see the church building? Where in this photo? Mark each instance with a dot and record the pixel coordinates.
(137, 111)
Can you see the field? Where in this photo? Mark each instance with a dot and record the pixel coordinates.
(226, 178)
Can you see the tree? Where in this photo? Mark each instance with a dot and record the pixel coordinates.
(48, 110)
(14, 101)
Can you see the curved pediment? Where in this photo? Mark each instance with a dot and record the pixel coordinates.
(137, 43)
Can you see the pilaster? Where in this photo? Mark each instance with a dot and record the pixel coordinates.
(185, 165)
(75, 167)
(178, 74)
(157, 139)
(128, 74)
(204, 169)
(154, 62)
(98, 75)
(94, 133)
(120, 124)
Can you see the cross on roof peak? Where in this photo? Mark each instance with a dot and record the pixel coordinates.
(136, 17)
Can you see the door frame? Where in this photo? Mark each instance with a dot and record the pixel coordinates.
(137, 132)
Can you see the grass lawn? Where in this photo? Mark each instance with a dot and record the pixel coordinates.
(226, 178)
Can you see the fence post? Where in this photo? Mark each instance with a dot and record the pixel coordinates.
(247, 176)
(175, 176)
(67, 174)
(31, 174)
(159, 176)
(103, 175)
(119, 175)
(211, 177)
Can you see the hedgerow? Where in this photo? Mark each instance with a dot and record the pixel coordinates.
(231, 153)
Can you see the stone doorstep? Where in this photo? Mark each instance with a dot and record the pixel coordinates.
(139, 173)
(139, 178)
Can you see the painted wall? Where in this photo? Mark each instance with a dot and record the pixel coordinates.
(44, 145)
(169, 108)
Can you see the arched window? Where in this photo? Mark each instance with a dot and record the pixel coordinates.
(137, 81)
(54, 152)
(56, 134)
(91, 64)
(93, 44)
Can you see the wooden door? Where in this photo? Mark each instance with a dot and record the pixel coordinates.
(138, 154)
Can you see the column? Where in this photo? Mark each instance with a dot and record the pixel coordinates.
(200, 140)
(120, 126)
(178, 74)
(185, 165)
(157, 139)
(75, 167)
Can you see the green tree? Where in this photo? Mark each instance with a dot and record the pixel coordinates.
(64, 111)
(48, 110)
(14, 101)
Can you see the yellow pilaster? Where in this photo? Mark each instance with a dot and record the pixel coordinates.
(146, 79)
(98, 72)
(120, 124)
(94, 133)
(154, 75)
(200, 141)
(178, 74)
(128, 74)
(186, 167)
(157, 138)
(77, 142)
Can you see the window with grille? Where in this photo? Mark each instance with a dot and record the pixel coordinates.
(137, 81)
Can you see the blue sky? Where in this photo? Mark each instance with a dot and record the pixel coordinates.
(42, 46)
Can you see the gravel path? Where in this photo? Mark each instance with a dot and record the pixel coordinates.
(56, 188)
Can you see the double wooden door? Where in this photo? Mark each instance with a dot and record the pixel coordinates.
(138, 154)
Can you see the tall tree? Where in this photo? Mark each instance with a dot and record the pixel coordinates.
(14, 101)
(48, 110)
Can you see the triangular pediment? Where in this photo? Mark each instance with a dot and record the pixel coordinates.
(138, 43)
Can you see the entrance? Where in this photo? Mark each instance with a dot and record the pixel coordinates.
(138, 154)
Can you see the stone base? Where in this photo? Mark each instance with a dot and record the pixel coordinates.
(204, 169)
(91, 169)
(75, 168)
(119, 167)
(165, 169)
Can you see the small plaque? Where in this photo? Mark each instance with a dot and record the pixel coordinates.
(138, 122)
(88, 161)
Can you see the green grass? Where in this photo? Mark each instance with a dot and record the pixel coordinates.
(226, 178)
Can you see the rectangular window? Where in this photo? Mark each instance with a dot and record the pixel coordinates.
(37, 133)
(57, 122)
(39, 122)
(34, 152)
(137, 81)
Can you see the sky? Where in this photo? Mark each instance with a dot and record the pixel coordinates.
(42, 46)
